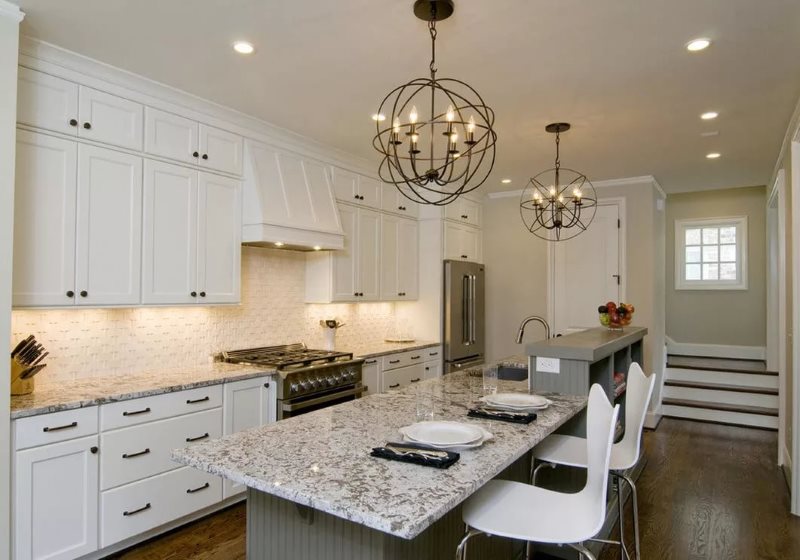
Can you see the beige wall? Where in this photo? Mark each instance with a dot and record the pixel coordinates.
(729, 317)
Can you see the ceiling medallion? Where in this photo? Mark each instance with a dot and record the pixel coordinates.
(559, 203)
(445, 148)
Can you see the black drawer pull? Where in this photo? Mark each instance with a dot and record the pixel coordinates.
(463, 256)
(198, 438)
(137, 454)
(370, 362)
(191, 401)
(394, 361)
(135, 511)
(57, 428)
(193, 490)
(395, 386)
(415, 380)
(135, 412)
(433, 353)
(415, 357)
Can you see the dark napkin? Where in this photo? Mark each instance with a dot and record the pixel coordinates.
(443, 463)
(527, 418)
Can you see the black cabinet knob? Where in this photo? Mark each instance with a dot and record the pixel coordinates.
(193, 294)
(205, 156)
(94, 449)
(87, 125)
(195, 154)
(73, 122)
(84, 293)
(202, 294)
(355, 294)
(70, 293)
(355, 196)
(463, 256)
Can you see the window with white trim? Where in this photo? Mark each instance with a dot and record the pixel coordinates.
(711, 254)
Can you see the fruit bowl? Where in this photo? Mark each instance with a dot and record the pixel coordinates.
(616, 316)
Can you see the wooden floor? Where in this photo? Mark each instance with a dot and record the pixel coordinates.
(709, 492)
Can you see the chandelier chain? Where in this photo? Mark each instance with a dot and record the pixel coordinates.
(433, 32)
(558, 152)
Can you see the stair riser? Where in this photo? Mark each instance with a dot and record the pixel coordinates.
(740, 418)
(724, 397)
(722, 377)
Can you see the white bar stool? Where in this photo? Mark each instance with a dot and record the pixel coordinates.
(525, 512)
(571, 451)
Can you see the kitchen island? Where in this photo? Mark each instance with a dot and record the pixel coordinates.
(315, 492)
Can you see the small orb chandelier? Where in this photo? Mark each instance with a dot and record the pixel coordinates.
(559, 203)
(450, 151)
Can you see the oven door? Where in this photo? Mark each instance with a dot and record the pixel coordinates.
(290, 408)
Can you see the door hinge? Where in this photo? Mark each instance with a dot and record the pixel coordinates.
(617, 276)
(619, 223)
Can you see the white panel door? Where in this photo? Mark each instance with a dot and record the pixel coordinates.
(369, 191)
(246, 405)
(408, 259)
(220, 150)
(345, 185)
(44, 220)
(55, 500)
(110, 119)
(169, 251)
(345, 281)
(109, 227)
(390, 272)
(45, 101)
(585, 272)
(170, 136)
(323, 203)
(219, 242)
(369, 251)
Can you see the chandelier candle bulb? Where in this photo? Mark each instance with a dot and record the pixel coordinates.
(395, 139)
(471, 131)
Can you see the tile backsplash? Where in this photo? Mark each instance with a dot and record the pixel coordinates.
(94, 342)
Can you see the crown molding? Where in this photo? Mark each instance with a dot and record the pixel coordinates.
(623, 182)
(11, 11)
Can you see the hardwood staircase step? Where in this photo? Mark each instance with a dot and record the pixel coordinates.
(756, 367)
(721, 387)
(759, 410)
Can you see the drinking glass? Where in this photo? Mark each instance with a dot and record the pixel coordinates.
(424, 401)
(489, 380)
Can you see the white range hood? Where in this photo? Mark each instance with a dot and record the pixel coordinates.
(288, 201)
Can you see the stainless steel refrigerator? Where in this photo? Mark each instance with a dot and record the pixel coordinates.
(464, 342)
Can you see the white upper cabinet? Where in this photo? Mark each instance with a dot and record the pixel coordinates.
(345, 271)
(394, 201)
(44, 220)
(369, 250)
(171, 136)
(110, 119)
(356, 189)
(109, 227)
(462, 242)
(465, 211)
(169, 264)
(220, 150)
(390, 232)
(219, 239)
(45, 101)
(399, 258)
(369, 191)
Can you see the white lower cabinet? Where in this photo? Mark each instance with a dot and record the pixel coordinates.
(400, 377)
(400, 369)
(370, 376)
(55, 500)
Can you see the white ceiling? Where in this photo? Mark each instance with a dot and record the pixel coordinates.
(616, 69)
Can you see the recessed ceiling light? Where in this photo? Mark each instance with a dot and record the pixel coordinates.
(243, 47)
(380, 117)
(317, 248)
(697, 44)
(710, 133)
(278, 244)
(506, 181)
(709, 115)
(713, 155)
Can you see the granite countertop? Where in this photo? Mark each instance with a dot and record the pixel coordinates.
(374, 350)
(322, 459)
(54, 396)
(515, 361)
(588, 345)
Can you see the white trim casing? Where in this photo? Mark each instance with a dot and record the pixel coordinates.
(681, 283)
(624, 181)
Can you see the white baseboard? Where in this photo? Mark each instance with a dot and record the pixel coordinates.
(652, 418)
(716, 350)
(787, 463)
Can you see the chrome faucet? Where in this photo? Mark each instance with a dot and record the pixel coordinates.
(521, 331)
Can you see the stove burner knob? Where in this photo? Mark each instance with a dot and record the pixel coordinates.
(294, 387)
(332, 380)
(305, 385)
(314, 383)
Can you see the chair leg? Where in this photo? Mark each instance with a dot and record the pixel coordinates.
(461, 551)
(583, 551)
(529, 551)
(621, 508)
(635, 501)
(536, 470)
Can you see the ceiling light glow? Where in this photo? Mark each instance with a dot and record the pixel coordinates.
(243, 47)
(278, 244)
(713, 155)
(696, 45)
(506, 181)
(380, 117)
(709, 115)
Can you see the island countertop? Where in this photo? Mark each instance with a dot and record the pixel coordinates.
(321, 460)
(588, 345)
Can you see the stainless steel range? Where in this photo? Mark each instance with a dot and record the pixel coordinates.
(307, 379)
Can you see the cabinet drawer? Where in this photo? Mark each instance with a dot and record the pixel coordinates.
(55, 427)
(137, 411)
(401, 377)
(141, 451)
(433, 353)
(402, 359)
(141, 506)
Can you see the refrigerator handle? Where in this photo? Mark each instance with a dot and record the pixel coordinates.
(465, 311)
(472, 313)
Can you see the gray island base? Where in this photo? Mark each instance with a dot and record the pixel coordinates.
(314, 492)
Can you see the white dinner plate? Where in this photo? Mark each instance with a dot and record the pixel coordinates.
(517, 400)
(443, 433)
(485, 436)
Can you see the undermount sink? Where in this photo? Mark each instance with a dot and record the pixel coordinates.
(510, 373)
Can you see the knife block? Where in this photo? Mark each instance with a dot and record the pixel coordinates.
(20, 386)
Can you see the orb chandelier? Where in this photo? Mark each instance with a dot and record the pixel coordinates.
(438, 140)
(559, 203)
